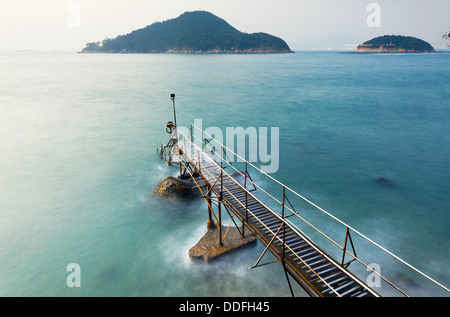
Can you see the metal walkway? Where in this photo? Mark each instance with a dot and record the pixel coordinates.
(318, 273)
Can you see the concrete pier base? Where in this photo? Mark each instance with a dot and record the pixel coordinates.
(208, 248)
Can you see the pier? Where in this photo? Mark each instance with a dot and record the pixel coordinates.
(226, 188)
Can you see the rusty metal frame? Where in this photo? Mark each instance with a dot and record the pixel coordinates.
(299, 278)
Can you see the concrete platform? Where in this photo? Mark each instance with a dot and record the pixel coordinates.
(208, 248)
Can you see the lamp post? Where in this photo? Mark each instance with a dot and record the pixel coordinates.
(172, 97)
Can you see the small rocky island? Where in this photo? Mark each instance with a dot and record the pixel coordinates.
(395, 44)
(191, 32)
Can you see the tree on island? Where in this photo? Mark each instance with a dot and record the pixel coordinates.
(446, 36)
(191, 32)
(395, 44)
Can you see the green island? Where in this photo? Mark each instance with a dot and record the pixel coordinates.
(395, 44)
(191, 32)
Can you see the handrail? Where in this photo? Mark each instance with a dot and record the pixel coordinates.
(308, 223)
(284, 219)
(255, 216)
(318, 208)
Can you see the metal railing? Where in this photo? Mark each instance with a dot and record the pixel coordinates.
(196, 161)
(209, 143)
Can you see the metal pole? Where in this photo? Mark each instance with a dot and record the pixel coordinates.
(345, 246)
(246, 205)
(287, 277)
(284, 242)
(284, 223)
(220, 219)
(220, 201)
(172, 96)
(208, 199)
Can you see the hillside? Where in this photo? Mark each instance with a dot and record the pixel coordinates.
(191, 32)
(395, 44)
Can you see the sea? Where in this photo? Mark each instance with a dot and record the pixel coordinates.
(366, 137)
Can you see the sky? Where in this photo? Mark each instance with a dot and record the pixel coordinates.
(303, 24)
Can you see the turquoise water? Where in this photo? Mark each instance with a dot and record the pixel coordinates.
(78, 164)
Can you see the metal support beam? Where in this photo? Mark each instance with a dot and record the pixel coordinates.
(284, 227)
(246, 200)
(210, 211)
(262, 220)
(267, 248)
(348, 237)
(287, 277)
(220, 221)
(220, 204)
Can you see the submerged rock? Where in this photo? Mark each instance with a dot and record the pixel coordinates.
(382, 181)
(208, 247)
(405, 282)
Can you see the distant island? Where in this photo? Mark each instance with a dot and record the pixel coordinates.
(191, 32)
(395, 44)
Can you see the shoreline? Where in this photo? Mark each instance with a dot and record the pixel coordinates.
(388, 51)
(192, 52)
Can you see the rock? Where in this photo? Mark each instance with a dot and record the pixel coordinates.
(208, 247)
(405, 282)
(172, 187)
(385, 182)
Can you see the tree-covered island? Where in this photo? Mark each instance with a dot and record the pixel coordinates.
(191, 32)
(395, 44)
